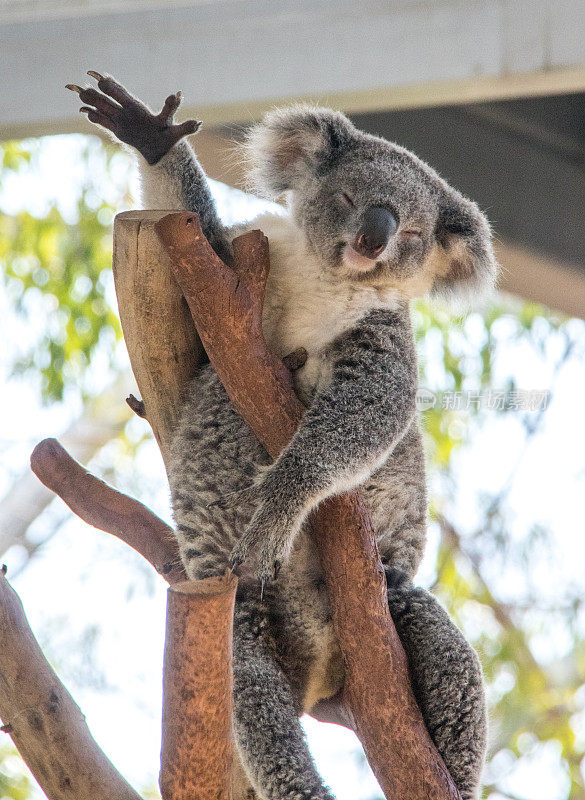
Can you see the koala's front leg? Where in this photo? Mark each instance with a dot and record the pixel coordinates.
(115, 109)
(172, 178)
(350, 429)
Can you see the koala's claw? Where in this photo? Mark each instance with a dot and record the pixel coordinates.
(270, 560)
(296, 360)
(268, 544)
(268, 571)
(115, 109)
(235, 564)
(238, 555)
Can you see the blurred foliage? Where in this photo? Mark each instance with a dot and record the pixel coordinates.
(534, 703)
(14, 782)
(59, 270)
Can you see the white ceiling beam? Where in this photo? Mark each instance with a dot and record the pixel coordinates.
(234, 58)
(543, 280)
(22, 10)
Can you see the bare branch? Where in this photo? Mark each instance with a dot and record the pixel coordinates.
(107, 509)
(45, 723)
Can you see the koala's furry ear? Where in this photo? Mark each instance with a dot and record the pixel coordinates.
(465, 261)
(291, 144)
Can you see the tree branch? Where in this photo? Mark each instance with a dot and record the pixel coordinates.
(226, 307)
(45, 723)
(196, 756)
(107, 509)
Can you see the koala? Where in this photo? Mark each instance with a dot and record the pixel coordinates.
(366, 227)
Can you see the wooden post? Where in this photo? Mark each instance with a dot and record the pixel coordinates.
(196, 756)
(162, 342)
(165, 351)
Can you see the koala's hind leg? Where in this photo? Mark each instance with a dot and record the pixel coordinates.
(447, 680)
(269, 737)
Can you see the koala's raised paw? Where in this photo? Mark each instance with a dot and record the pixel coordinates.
(115, 109)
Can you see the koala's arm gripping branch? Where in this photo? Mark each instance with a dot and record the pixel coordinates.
(226, 308)
(362, 412)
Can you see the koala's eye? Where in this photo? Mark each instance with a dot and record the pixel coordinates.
(411, 233)
(348, 199)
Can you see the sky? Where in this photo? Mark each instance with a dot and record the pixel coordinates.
(85, 587)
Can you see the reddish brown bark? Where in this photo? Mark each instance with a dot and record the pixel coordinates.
(196, 757)
(196, 753)
(377, 688)
(105, 508)
(226, 307)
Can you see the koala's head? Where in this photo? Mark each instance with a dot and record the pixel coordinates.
(371, 211)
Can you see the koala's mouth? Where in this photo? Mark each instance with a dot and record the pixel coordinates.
(357, 263)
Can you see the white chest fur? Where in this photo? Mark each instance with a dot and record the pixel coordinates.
(305, 305)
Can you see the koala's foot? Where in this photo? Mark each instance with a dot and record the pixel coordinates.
(115, 109)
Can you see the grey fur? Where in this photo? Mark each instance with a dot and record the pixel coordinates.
(446, 677)
(233, 506)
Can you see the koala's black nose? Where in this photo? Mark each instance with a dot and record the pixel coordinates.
(378, 225)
